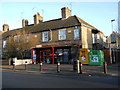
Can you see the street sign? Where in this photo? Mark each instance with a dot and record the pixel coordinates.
(38, 45)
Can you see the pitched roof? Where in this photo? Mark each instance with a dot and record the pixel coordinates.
(11, 32)
(51, 24)
(16, 31)
(55, 24)
(84, 22)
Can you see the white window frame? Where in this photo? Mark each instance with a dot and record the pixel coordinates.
(27, 38)
(62, 37)
(16, 38)
(93, 38)
(104, 39)
(98, 36)
(43, 36)
(4, 43)
(76, 33)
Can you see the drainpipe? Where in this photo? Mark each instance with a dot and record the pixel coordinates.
(50, 35)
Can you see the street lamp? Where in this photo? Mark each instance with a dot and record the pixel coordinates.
(112, 41)
(112, 23)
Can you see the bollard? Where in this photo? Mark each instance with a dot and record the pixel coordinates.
(13, 66)
(40, 66)
(25, 65)
(58, 67)
(80, 67)
(75, 66)
(105, 67)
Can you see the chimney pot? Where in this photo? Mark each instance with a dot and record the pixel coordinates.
(37, 18)
(5, 27)
(24, 22)
(66, 12)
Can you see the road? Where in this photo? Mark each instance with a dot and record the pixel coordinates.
(35, 80)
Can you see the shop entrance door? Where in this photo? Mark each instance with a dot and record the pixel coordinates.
(44, 56)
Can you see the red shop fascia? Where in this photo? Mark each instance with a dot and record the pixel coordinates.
(50, 53)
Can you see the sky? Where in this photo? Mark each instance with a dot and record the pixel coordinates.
(98, 14)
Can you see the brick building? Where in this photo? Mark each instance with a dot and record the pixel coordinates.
(1, 44)
(65, 36)
(113, 41)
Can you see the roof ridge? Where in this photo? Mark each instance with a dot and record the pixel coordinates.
(53, 20)
(84, 22)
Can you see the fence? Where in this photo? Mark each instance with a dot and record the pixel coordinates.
(114, 56)
(5, 62)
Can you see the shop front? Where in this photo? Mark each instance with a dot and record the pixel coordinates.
(52, 54)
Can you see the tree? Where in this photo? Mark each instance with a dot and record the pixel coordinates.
(11, 49)
(18, 44)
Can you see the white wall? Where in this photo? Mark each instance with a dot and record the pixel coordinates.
(22, 61)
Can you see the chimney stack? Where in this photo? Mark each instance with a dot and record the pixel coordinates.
(24, 22)
(37, 18)
(66, 12)
(5, 27)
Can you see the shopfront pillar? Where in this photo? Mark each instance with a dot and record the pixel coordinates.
(53, 51)
(32, 55)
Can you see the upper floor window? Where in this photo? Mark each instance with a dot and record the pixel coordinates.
(45, 36)
(16, 38)
(26, 38)
(98, 36)
(104, 39)
(4, 43)
(93, 38)
(62, 34)
(76, 33)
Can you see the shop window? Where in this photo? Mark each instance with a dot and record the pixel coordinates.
(62, 34)
(65, 57)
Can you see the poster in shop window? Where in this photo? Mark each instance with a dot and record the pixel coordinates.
(34, 57)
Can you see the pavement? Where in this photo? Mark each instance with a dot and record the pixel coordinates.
(65, 69)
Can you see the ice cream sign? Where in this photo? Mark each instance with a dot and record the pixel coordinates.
(83, 57)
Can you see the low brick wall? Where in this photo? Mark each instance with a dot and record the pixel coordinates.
(5, 62)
